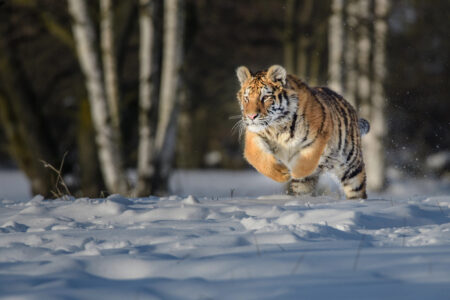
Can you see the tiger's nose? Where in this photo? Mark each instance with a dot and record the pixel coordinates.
(252, 116)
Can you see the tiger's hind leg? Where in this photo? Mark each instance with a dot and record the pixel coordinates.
(302, 186)
(354, 181)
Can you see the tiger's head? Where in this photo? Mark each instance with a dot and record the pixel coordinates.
(264, 97)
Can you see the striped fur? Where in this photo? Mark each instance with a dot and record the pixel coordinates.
(294, 132)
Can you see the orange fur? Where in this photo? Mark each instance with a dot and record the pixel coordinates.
(264, 162)
(308, 159)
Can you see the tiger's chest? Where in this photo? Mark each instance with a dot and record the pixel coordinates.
(285, 148)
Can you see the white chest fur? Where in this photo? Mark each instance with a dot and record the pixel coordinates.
(283, 147)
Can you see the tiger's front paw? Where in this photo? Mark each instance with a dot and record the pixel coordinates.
(280, 173)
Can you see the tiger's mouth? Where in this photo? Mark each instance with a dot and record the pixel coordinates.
(257, 124)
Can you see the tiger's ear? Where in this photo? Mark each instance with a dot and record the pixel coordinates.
(243, 74)
(277, 73)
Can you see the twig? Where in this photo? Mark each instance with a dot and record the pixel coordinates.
(59, 178)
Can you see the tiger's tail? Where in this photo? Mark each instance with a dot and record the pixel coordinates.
(364, 126)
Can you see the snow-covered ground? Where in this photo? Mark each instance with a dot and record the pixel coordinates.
(226, 242)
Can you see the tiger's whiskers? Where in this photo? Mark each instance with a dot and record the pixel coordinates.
(239, 125)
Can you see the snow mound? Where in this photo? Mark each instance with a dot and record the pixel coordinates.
(271, 247)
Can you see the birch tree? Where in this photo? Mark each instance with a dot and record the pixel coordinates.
(363, 71)
(363, 83)
(145, 167)
(375, 141)
(336, 46)
(165, 140)
(108, 151)
(109, 63)
(351, 72)
(363, 59)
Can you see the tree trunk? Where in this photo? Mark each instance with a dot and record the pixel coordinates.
(108, 150)
(22, 150)
(363, 59)
(316, 60)
(371, 143)
(147, 99)
(290, 37)
(165, 140)
(91, 180)
(351, 72)
(304, 39)
(375, 140)
(336, 46)
(25, 128)
(109, 64)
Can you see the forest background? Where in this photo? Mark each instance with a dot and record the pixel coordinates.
(93, 91)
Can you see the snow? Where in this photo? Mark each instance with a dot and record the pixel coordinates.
(218, 244)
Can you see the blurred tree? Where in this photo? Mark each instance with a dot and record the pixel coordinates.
(147, 95)
(109, 65)
(350, 51)
(357, 69)
(91, 180)
(305, 34)
(25, 128)
(375, 142)
(166, 131)
(418, 72)
(335, 45)
(110, 157)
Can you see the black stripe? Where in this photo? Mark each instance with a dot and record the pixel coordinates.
(324, 116)
(349, 175)
(285, 95)
(345, 114)
(354, 138)
(307, 132)
(349, 156)
(355, 157)
(309, 144)
(278, 97)
(339, 134)
(331, 93)
(293, 124)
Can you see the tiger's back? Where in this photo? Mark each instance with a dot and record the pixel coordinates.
(300, 132)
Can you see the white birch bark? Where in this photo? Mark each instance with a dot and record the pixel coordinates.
(109, 156)
(109, 62)
(336, 45)
(375, 140)
(351, 72)
(165, 140)
(363, 59)
(146, 101)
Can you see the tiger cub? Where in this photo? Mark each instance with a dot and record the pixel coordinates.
(294, 132)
